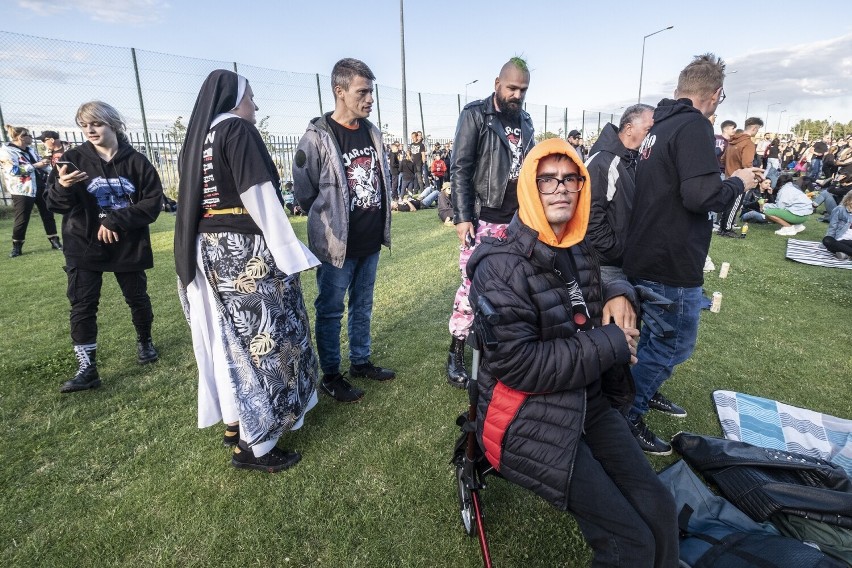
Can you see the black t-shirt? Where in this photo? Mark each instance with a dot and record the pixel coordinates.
(362, 164)
(417, 148)
(667, 242)
(234, 160)
(504, 214)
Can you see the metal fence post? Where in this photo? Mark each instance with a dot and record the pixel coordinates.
(235, 71)
(459, 99)
(583, 124)
(599, 121)
(3, 125)
(422, 124)
(141, 105)
(319, 93)
(545, 118)
(565, 124)
(378, 108)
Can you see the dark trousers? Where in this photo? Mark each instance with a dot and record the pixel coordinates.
(419, 175)
(729, 215)
(625, 513)
(84, 293)
(834, 245)
(23, 206)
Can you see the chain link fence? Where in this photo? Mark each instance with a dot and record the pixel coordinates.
(43, 81)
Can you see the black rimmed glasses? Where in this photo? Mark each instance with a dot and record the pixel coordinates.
(721, 94)
(573, 183)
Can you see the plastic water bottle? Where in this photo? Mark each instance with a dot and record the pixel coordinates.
(744, 231)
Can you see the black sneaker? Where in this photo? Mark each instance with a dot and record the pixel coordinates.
(145, 351)
(337, 387)
(370, 371)
(660, 403)
(272, 462)
(728, 234)
(647, 440)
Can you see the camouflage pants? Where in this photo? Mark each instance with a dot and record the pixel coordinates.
(462, 316)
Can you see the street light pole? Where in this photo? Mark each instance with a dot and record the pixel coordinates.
(766, 124)
(402, 56)
(779, 121)
(642, 64)
(748, 101)
(466, 85)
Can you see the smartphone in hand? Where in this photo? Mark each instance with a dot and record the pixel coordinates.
(70, 167)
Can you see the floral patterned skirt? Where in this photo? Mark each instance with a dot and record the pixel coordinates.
(264, 328)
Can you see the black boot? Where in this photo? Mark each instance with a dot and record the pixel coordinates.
(87, 373)
(16, 249)
(54, 243)
(145, 352)
(456, 373)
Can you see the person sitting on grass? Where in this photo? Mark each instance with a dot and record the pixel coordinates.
(791, 207)
(838, 238)
(407, 204)
(753, 201)
(445, 206)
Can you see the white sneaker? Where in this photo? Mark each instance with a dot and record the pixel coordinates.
(841, 255)
(786, 231)
(799, 228)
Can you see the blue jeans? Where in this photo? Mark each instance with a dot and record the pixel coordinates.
(657, 356)
(827, 198)
(358, 277)
(816, 168)
(753, 216)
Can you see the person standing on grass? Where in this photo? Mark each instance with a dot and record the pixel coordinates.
(238, 263)
(677, 186)
(108, 195)
(25, 174)
(342, 180)
(492, 137)
(739, 154)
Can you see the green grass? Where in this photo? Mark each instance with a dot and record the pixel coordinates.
(122, 475)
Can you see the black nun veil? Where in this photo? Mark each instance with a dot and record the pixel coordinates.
(220, 93)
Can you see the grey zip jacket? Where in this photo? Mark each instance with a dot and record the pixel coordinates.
(321, 188)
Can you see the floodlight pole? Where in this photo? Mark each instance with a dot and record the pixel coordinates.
(749, 101)
(402, 57)
(642, 64)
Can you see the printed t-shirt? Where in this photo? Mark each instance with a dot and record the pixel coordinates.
(362, 165)
(504, 213)
(234, 160)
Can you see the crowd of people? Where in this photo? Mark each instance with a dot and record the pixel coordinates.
(554, 235)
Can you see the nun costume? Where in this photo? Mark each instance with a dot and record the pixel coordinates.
(238, 263)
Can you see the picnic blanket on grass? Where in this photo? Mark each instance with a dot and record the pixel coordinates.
(812, 252)
(772, 424)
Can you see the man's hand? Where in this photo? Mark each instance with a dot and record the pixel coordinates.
(465, 232)
(107, 236)
(630, 334)
(620, 311)
(749, 176)
(67, 180)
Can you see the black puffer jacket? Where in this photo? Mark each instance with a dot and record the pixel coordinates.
(482, 158)
(612, 171)
(533, 385)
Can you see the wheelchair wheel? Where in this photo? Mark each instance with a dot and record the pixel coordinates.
(466, 510)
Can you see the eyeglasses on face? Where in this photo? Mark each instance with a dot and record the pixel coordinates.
(721, 94)
(573, 183)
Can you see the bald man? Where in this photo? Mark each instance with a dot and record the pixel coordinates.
(492, 137)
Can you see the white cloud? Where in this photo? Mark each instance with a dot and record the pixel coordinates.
(127, 12)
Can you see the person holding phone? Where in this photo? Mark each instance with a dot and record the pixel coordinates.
(108, 194)
(25, 174)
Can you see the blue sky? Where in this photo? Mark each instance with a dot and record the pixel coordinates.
(584, 56)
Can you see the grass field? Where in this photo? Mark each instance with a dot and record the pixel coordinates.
(121, 476)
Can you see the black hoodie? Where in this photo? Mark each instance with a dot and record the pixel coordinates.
(677, 186)
(612, 169)
(124, 195)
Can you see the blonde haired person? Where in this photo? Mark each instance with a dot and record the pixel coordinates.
(25, 174)
(108, 195)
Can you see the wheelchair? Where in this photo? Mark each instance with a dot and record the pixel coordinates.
(471, 466)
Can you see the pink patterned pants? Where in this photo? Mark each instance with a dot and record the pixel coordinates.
(462, 316)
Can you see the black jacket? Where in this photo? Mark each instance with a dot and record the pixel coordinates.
(482, 158)
(612, 169)
(124, 195)
(677, 186)
(533, 385)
